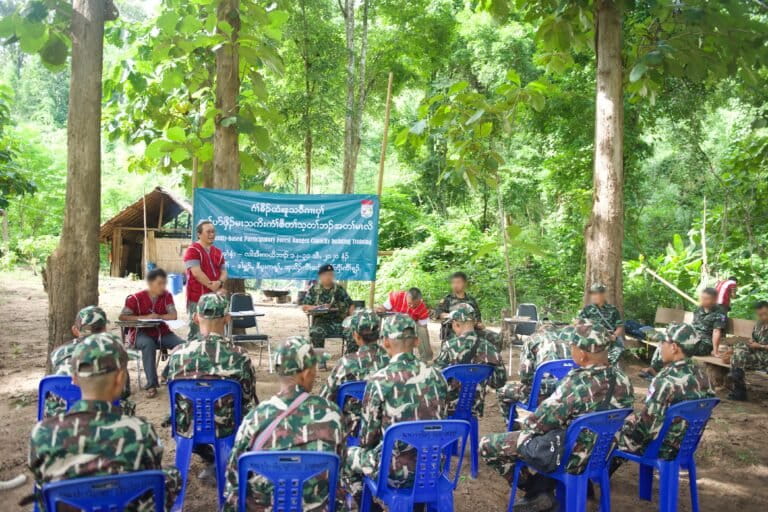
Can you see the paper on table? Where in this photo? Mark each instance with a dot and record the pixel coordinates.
(175, 324)
(245, 313)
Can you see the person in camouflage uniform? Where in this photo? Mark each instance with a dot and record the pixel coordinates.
(95, 437)
(363, 327)
(314, 425)
(750, 355)
(582, 391)
(608, 317)
(679, 380)
(404, 390)
(326, 293)
(466, 347)
(545, 345)
(211, 356)
(89, 320)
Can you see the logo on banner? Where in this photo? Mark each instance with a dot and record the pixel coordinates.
(366, 208)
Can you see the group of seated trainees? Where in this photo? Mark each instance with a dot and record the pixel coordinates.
(97, 437)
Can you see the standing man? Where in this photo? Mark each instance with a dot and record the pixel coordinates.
(326, 295)
(726, 291)
(206, 270)
(457, 296)
(411, 303)
(750, 355)
(606, 316)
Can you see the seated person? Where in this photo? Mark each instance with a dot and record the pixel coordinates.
(89, 320)
(545, 345)
(466, 347)
(313, 424)
(363, 327)
(212, 356)
(709, 321)
(607, 316)
(84, 441)
(404, 390)
(327, 294)
(681, 379)
(595, 385)
(750, 355)
(411, 303)
(457, 296)
(156, 302)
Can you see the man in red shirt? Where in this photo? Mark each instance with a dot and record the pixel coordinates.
(726, 291)
(412, 304)
(156, 302)
(206, 270)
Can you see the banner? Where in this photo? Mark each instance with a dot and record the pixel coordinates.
(288, 236)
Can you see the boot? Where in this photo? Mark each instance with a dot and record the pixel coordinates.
(736, 377)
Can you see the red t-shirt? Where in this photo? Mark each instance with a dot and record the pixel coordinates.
(725, 291)
(211, 263)
(141, 304)
(400, 305)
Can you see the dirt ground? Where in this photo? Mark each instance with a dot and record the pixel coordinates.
(732, 458)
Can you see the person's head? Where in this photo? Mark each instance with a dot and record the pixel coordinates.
(708, 298)
(364, 326)
(398, 333)
(458, 282)
(99, 367)
(326, 275)
(597, 294)
(588, 346)
(761, 310)
(89, 320)
(679, 343)
(206, 232)
(463, 318)
(157, 280)
(413, 297)
(212, 313)
(546, 326)
(296, 363)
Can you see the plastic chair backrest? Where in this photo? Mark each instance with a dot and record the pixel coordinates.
(287, 471)
(604, 424)
(557, 369)
(431, 439)
(355, 389)
(242, 302)
(528, 310)
(105, 493)
(696, 414)
(203, 393)
(59, 385)
(470, 376)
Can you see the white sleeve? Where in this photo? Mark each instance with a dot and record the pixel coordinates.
(425, 321)
(387, 305)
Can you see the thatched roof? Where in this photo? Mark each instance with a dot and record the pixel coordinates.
(133, 215)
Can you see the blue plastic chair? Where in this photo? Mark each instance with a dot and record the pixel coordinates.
(287, 471)
(557, 369)
(433, 484)
(696, 413)
(105, 493)
(353, 389)
(470, 376)
(572, 489)
(203, 393)
(59, 385)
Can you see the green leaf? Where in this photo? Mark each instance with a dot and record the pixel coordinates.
(261, 135)
(486, 129)
(513, 230)
(402, 137)
(258, 86)
(190, 25)
(228, 121)
(477, 115)
(167, 22)
(458, 87)
(205, 152)
(179, 155)
(156, 149)
(55, 51)
(176, 134)
(513, 77)
(209, 126)
(171, 80)
(8, 25)
(637, 72)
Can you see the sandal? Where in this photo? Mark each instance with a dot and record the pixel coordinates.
(151, 393)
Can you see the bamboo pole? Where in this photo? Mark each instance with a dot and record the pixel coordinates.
(704, 258)
(671, 286)
(382, 159)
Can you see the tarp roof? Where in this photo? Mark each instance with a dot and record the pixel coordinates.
(133, 215)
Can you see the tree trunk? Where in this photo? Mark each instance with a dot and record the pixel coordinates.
(604, 234)
(72, 275)
(308, 90)
(348, 177)
(511, 288)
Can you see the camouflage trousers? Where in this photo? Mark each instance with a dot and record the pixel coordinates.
(320, 330)
(194, 329)
(749, 359)
(703, 348)
(617, 348)
(499, 451)
(513, 392)
(364, 462)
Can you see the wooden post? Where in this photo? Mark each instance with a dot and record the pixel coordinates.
(704, 258)
(160, 215)
(382, 158)
(671, 286)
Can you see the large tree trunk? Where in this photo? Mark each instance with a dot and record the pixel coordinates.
(605, 232)
(72, 275)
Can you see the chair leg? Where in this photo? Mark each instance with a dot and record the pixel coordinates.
(575, 493)
(693, 485)
(474, 448)
(605, 492)
(646, 482)
(367, 500)
(222, 449)
(513, 492)
(669, 483)
(183, 455)
(512, 417)
(269, 355)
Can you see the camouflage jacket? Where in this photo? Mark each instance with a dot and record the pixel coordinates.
(456, 351)
(211, 357)
(448, 302)
(314, 426)
(95, 438)
(336, 297)
(61, 358)
(581, 391)
(760, 333)
(541, 347)
(608, 316)
(705, 322)
(676, 382)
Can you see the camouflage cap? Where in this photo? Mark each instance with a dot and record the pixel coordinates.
(91, 318)
(102, 353)
(567, 333)
(683, 335)
(591, 340)
(362, 320)
(463, 313)
(294, 355)
(597, 288)
(394, 327)
(212, 305)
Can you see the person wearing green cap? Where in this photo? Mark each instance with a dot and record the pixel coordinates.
(83, 442)
(607, 316)
(681, 379)
(466, 347)
(595, 385)
(328, 304)
(211, 356)
(404, 390)
(750, 355)
(293, 419)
